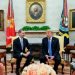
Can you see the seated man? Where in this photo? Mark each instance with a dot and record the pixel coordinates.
(50, 50)
(19, 50)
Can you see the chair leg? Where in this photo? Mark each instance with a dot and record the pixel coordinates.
(12, 67)
(73, 72)
(70, 69)
(62, 68)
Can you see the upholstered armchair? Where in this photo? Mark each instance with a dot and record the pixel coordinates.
(13, 60)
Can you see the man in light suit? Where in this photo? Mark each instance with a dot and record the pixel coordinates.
(19, 50)
(50, 50)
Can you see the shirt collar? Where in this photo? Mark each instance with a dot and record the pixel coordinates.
(50, 38)
(20, 38)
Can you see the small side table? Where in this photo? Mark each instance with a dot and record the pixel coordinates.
(72, 68)
(3, 55)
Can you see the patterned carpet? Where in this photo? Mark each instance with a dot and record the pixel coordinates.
(66, 70)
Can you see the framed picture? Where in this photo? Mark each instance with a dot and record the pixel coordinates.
(72, 19)
(35, 11)
(1, 20)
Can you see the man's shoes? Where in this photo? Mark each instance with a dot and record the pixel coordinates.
(21, 70)
(56, 72)
(17, 73)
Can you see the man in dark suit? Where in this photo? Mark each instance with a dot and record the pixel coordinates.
(50, 50)
(19, 50)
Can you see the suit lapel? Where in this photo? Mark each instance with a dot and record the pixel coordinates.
(52, 41)
(47, 43)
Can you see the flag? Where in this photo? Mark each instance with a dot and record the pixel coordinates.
(63, 29)
(10, 27)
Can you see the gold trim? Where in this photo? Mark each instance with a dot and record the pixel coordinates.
(70, 19)
(28, 17)
(1, 20)
(35, 0)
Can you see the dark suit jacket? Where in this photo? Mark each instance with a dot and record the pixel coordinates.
(17, 49)
(55, 47)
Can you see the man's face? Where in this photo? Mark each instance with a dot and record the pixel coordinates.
(49, 34)
(22, 34)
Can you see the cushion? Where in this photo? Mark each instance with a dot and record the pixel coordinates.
(13, 60)
(51, 62)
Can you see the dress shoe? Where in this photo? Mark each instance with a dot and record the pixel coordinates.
(17, 73)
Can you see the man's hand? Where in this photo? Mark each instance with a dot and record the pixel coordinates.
(51, 57)
(26, 54)
(46, 56)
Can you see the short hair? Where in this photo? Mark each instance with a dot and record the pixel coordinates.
(49, 31)
(19, 31)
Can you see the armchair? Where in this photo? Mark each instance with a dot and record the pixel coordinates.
(13, 60)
